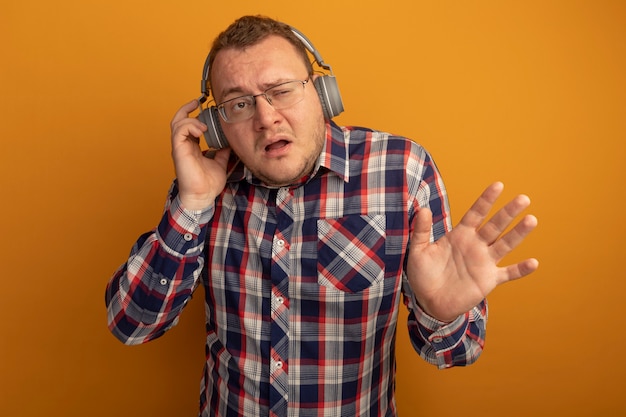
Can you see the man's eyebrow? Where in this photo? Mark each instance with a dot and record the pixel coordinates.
(231, 91)
(240, 91)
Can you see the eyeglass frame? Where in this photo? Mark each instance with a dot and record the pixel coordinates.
(221, 108)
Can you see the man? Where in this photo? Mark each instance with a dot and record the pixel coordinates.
(307, 237)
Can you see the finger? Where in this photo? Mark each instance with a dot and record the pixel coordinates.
(518, 270)
(422, 227)
(188, 129)
(510, 240)
(184, 111)
(497, 224)
(477, 213)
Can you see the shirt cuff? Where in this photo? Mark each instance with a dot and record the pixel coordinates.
(181, 231)
(442, 336)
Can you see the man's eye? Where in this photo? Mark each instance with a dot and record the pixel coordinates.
(282, 92)
(239, 105)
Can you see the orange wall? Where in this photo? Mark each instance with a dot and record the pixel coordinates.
(531, 93)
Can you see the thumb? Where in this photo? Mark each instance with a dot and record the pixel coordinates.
(422, 226)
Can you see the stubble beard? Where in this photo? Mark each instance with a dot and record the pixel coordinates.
(306, 167)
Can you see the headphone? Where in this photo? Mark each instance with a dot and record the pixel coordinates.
(326, 86)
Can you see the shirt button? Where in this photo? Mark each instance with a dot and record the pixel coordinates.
(279, 300)
(163, 281)
(279, 365)
(437, 339)
(188, 237)
(281, 243)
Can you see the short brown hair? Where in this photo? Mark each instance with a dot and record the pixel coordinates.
(250, 30)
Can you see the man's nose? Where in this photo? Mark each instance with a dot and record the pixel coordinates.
(264, 112)
(264, 95)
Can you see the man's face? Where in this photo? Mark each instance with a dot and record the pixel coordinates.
(278, 146)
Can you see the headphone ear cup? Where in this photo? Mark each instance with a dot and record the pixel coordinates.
(214, 136)
(327, 89)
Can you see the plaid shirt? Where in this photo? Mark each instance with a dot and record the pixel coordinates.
(302, 283)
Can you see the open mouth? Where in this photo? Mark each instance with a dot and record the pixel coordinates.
(276, 145)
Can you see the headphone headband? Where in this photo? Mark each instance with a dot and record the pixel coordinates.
(305, 41)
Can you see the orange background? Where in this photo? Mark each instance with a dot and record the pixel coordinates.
(531, 93)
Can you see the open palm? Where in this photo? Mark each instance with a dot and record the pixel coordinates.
(455, 273)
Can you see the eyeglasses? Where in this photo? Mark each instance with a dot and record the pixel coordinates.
(279, 96)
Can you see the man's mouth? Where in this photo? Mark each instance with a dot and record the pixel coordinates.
(276, 145)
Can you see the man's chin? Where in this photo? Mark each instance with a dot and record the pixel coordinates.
(279, 177)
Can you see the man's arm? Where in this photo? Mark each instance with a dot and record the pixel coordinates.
(146, 294)
(449, 278)
(459, 342)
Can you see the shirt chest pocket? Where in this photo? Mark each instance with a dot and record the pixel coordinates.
(351, 252)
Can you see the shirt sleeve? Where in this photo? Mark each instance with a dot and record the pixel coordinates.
(460, 342)
(445, 345)
(146, 295)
